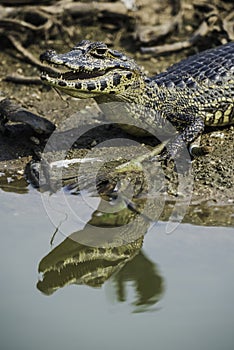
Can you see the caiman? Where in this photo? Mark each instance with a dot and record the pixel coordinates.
(190, 95)
(108, 246)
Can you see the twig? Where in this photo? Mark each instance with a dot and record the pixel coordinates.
(80, 8)
(21, 2)
(21, 79)
(24, 52)
(19, 24)
(202, 31)
(28, 56)
(228, 25)
(147, 34)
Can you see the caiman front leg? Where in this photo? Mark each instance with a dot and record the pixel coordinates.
(167, 150)
(170, 149)
(189, 136)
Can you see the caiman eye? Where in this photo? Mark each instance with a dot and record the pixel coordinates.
(99, 52)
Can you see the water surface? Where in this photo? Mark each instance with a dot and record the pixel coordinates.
(192, 268)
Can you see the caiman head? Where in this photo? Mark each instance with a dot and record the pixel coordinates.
(91, 69)
(74, 263)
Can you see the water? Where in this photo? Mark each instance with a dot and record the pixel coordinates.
(193, 270)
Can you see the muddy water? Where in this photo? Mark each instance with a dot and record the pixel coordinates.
(174, 292)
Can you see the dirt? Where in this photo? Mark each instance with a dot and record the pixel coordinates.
(213, 185)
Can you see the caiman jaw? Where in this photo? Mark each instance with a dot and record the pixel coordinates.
(83, 83)
(77, 83)
(62, 73)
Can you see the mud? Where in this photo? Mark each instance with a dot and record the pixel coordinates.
(213, 185)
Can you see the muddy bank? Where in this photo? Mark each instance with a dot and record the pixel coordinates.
(211, 201)
(146, 38)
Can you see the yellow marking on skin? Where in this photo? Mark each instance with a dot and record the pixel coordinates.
(227, 114)
(209, 116)
(218, 115)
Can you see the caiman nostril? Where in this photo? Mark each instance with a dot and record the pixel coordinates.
(47, 55)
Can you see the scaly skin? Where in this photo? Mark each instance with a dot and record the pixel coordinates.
(191, 94)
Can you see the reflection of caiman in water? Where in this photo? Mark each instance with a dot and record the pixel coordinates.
(109, 245)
